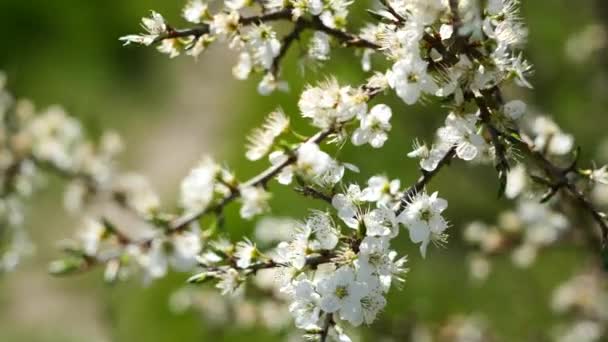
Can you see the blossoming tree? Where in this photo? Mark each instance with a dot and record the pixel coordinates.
(334, 268)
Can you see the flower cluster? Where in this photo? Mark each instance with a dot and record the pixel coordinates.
(35, 144)
(258, 46)
(585, 298)
(334, 269)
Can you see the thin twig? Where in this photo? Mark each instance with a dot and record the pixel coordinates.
(424, 179)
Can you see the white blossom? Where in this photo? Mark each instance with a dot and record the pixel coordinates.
(550, 138)
(243, 67)
(198, 187)
(270, 83)
(179, 250)
(319, 46)
(323, 229)
(255, 201)
(516, 181)
(305, 306)
(195, 11)
(515, 109)
(342, 293)
(261, 140)
(410, 79)
(461, 132)
(382, 191)
(329, 104)
(293, 253)
(600, 175)
(230, 281)
(245, 254)
(374, 127)
(347, 205)
(236, 5)
(263, 44)
(91, 236)
(423, 219)
(224, 25)
(381, 222)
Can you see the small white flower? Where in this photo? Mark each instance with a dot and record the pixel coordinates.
(186, 247)
(243, 67)
(515, 109)
(543, 225)
(285, 177)
(261, 140)
(460, 131)
(434, 157)
(410, 79)
(198, 187)
(347, 205)
(179, 250)
(424, 11)
(154, 26)
(255, 201)
(274, 229)
(293, 253)
(524, 256)
(230, 280)
(276, 5)
(263, 45)
(319, 46)
(312, 161)
(171, 47)
(381, 222)
(550, 138)
(423, 219)
(374, 127)
(373, 302)
(305, 305)
(323, 231)
(315, 7)
(373, 256)
(200, 45)
(600, 175)
(236, 5)
(269, 84)
(342, 293)
(225, 25)
(516, 181)
(329, 104)
(91, 235)
(382, 191)
(246, 253)
(195, 11)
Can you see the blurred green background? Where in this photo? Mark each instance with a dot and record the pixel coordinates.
(171, 112)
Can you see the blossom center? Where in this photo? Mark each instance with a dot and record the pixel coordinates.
(425, 215)
(341, 292)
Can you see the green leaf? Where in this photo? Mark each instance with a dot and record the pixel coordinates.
(199, 278)
(66, 266)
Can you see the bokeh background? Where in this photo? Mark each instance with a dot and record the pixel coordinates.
(171, 112)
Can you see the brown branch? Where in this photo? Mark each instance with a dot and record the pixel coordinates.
(198, 31)
(311, 192)
(557, 176)
(346, 38)
(260, 180)
(327, 324)
(424, 179)
(287, 41)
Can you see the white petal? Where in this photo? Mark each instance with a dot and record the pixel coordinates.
(466, 151)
